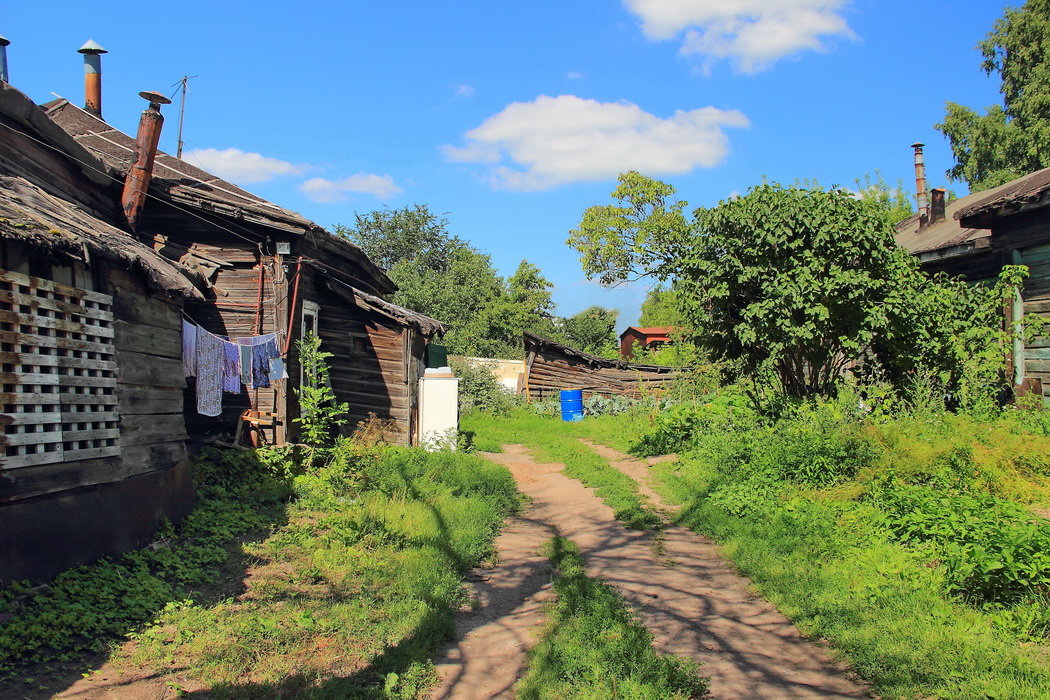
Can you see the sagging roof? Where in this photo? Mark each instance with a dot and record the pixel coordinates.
(41, 214)
(369, 302)
(538, 342)
(946, 237)
(35, 218)
(1007, 199)
(188, 185)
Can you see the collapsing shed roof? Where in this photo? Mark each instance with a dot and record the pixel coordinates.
(33, 217)
(538, 342)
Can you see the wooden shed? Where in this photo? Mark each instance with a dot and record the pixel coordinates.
(264, 269)
(975, 236)
(93, 446)
(551, 367)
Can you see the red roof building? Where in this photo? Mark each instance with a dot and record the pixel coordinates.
(646, 338)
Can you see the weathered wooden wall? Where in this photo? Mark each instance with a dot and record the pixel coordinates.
(151, 444)
(549, 368)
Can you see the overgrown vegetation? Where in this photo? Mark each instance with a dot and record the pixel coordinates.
(903, 536)
(89, 608)
(594, 647)
(353, 596)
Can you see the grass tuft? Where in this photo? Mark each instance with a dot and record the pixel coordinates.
(594, 647)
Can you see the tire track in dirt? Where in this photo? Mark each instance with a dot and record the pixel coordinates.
(684, 592)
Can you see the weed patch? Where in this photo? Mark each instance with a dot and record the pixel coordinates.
(901, 539)
(352, 597)
(90, 608)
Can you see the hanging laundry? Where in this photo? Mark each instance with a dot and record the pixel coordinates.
(245, 360)
(211, 353)
(277, 369)
(189, 349)
(262, 353)
(231, 368)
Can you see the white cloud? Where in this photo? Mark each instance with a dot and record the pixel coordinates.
(464, 90)
(574, 75)
(752, 33)
(553, 141)
(319, 189)
(240, 166)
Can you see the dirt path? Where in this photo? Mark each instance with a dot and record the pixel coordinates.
(492, 640)
(685, 593)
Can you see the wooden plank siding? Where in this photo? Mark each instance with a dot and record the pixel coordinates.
(551, 367)
(147, 401)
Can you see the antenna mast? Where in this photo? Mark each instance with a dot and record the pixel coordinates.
(183, 88)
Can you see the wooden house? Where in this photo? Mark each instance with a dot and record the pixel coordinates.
(551, 367)
(264, 269)
(975, 236)
(637, 338)
(93, 442)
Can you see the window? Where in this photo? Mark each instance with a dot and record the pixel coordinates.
(59, 373)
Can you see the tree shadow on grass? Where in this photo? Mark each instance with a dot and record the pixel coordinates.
(50, 677)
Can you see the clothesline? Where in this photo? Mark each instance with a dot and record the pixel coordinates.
(222, 364)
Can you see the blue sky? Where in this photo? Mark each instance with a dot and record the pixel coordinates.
(512, 118)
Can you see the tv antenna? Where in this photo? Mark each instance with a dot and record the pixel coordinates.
(184, 87)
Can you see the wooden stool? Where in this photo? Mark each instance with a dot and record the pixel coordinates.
(256, 422)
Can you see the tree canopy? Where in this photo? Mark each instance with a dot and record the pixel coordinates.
(791, 285)
(445, 277)
(1011, 139)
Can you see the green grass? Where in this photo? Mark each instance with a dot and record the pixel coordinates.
(356, 593)
(89, 608)
(594, 647)
(553, 440)
(349, 596)
(794, 506)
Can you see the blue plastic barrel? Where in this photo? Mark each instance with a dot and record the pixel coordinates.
(572, 404)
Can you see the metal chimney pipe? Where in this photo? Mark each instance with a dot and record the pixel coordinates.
(136, 183)
(4, 43)
(920, 185)
(92, 76)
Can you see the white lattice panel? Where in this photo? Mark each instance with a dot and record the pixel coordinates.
(58, 371)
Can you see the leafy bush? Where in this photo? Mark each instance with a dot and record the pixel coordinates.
(992, 550)
(479, 390)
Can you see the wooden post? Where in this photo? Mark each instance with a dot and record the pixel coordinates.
(1017, 318)
(281, 302)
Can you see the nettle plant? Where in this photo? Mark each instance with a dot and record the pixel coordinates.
(320, 415)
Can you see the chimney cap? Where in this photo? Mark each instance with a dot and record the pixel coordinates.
(90, 46)
(918, 144)
(154, 97)
(4, 41)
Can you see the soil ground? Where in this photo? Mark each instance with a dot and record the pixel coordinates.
(683, 590)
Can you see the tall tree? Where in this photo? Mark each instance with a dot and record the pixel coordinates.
(639, 232)
(1012, 139)
(388, 236)
(661, 307)
(893, 202)
(592, 330)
